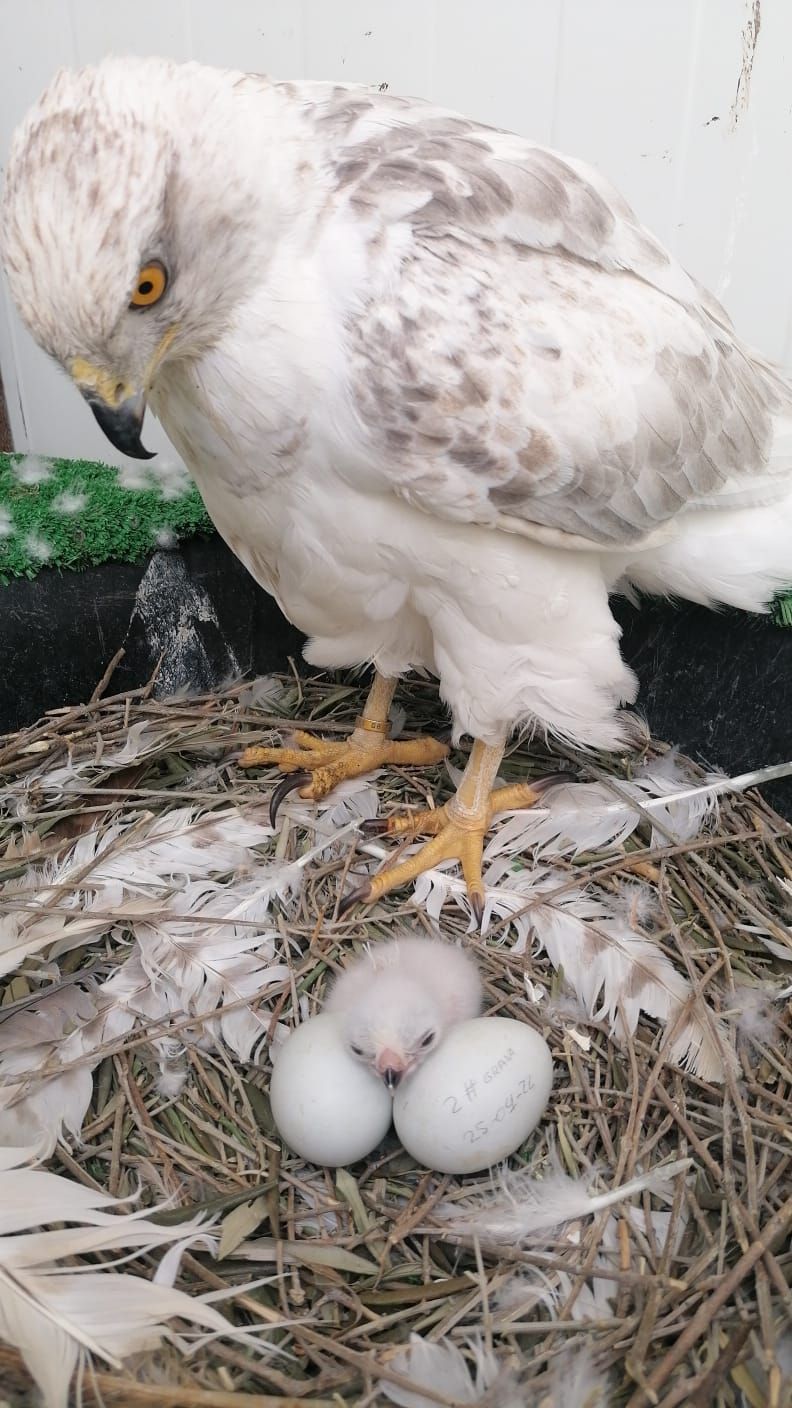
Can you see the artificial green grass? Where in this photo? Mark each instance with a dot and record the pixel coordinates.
(79, 514)
(782, 610)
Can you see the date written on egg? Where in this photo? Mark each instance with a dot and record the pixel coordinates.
(474, 1088)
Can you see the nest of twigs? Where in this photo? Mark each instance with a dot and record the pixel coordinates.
(357, 1260)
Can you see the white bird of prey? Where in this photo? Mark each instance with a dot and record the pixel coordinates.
(400, 999)
(440, 390)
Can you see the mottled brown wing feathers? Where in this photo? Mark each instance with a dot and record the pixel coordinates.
(539, 358)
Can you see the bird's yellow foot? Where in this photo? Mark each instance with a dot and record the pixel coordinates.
(314, 766)
(457, 833)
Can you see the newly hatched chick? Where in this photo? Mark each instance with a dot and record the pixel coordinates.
(400, 999)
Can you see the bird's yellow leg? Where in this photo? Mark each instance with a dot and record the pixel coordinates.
(316, 765)
(457, 829)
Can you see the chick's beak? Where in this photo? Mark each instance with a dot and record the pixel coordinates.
(119, 409)
(390, 1066)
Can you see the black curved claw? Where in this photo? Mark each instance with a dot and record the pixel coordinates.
(374, 826)
(477, 906)
(353, 897)
(287, 784)
(553, 779)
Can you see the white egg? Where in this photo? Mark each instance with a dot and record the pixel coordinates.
(327, 1107)
(477, 1097)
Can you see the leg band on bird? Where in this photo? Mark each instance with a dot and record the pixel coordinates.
(314, 766)
(457, 829)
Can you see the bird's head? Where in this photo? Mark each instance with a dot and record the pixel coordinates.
(394, 1027)
(122, 230)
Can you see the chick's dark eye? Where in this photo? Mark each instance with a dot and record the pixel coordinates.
(356, 1050)
(427, 1039)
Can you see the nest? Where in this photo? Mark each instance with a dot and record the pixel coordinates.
(682, 1300)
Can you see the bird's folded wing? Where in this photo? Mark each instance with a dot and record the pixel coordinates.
(531, 357)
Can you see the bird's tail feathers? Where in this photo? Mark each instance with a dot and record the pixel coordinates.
(740, 557)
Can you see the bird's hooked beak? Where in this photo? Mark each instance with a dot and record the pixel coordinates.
(122, 424)
(118, 407)
(390, 1066)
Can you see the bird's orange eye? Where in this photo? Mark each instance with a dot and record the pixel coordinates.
(150, 285)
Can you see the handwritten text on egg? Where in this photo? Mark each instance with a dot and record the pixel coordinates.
(471, 1093)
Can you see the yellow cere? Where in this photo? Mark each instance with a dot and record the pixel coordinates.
(98, 382)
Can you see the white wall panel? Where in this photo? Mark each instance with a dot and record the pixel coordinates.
(645, 89)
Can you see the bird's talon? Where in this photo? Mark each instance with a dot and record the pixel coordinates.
(360, 895)
(456, 831)
(318, 765)
(374, 826)
(553, 779)
(290, 783)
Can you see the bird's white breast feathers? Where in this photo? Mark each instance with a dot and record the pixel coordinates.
(372, 577)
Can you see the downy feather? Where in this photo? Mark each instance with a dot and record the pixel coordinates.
(553, 1289)
(519, 1206)
(441, 1367)
(575, 1381)
(754, 1012)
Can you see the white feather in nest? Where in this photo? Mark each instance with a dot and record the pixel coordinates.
(58, 1313)
(615, 970)
(80, 895)
(46, 1086)
(575, 1381)
(619, 973)
(594, 1298)
(580, 817)
(38, 1038)
(352, 801)
(31, 929)
(193, 947)
(144, 740)
(317, 1213)
(195, 966)
(517, 1207)
(766, 937)
(441, 1368)
(264, 693)
(179, 845)
(521, 1209)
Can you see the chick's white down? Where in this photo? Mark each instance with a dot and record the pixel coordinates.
(399, 1000)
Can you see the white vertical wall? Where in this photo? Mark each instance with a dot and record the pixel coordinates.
(671, 98)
